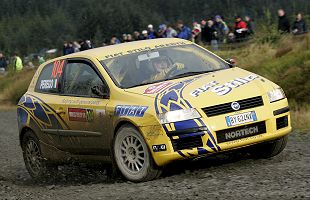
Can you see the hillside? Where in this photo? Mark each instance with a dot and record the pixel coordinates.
(28, 26)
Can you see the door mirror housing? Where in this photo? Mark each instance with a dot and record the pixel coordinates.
(232, 62)
(100, 91)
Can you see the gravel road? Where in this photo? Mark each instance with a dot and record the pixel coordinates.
(227, 176)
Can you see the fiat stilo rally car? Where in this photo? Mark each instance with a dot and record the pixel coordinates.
(144, 104)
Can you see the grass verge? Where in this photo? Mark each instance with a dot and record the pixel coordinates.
(13, 86)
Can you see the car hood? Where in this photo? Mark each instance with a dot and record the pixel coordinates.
(210, 88)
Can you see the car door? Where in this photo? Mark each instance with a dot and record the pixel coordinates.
(82, 106)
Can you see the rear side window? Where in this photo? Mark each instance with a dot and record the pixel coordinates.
(50, 78)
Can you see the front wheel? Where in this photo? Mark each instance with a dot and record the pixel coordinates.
(132, 155)
(269, 149)
(36, 165)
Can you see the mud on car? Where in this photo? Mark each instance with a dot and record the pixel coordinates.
(144, 104)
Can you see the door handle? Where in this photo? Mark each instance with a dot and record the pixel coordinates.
(60, 111)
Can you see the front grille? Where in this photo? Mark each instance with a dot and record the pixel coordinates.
(226, 107)
(186, 143)
(282, 122)
(241, 132)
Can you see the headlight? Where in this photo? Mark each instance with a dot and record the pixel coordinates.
(275, 95)
(178, 115)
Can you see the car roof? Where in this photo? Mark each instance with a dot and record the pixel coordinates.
(102, 53)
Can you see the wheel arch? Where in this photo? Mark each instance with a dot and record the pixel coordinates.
(130, 123)
(23, 131)
(122, 123)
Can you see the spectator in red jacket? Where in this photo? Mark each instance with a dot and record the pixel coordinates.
(240, 29)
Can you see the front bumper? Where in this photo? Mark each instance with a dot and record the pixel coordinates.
(203, 142)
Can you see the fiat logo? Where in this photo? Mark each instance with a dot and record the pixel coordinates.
(235, 105)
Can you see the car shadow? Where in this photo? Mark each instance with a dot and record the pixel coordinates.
(196, 164)
(87, 174)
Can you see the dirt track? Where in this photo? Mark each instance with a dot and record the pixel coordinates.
(286, 176)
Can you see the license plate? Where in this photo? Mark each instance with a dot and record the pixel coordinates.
(241, 118)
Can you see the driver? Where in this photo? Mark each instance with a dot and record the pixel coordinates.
(163, 68)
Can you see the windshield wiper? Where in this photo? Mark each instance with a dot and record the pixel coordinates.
(190, 74)
(146, 83)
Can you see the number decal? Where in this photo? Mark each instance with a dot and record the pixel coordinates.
(57, 69)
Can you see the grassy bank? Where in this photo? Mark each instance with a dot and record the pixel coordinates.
(286, 61)
(13, 86)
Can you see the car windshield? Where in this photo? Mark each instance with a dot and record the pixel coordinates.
(161, 64)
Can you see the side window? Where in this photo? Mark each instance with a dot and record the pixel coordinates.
(50, 78)
(80, 79)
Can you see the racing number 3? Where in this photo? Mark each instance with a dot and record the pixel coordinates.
(57, 69)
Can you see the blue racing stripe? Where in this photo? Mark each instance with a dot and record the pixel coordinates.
(181, 154)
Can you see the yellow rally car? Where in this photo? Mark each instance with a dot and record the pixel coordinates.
(145, 104)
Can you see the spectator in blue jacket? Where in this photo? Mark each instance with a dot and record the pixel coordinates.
(221, 28)
(162, 31)
(151, 32)
(3, 63)
(68, 48)
(184, 31)
(299, 25)
(114, 40)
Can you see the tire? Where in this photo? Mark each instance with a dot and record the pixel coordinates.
(133, 157)
(269, 149)
(36, 165)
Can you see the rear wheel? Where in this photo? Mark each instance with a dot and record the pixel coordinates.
(269, 149)
(133, 157)
(37, 166)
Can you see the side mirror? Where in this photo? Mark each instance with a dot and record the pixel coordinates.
(232, 62)
(100, 91)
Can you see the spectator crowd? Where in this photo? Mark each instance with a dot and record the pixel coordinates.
(209, 32)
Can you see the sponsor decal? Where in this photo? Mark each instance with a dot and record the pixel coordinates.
(131, 111)
(241, 133)
(58, 68)
(100, 112)
(142, 49)
(48, 84)
(81, 114)
(156, 88)
(114, 55)
(159, 147)
(80, 102)
(170, 44)
(225, 88)
(89, 115)
(138, 50)
(244, 139)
